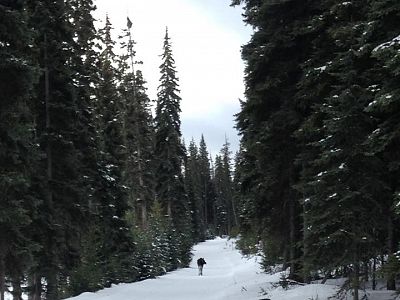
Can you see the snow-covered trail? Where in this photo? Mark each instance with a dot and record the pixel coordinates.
(227, 275)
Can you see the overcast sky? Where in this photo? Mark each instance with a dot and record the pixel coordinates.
(206, 37)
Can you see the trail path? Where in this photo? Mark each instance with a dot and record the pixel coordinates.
(227, 275)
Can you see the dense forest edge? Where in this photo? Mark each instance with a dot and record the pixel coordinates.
(319, 165)
(96, 191)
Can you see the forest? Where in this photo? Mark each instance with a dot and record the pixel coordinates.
(98, 187)
(95, 190)
(319, 165)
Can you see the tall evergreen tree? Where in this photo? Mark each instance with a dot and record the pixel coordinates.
(344, 177)
(139, 131)
(270, 116)
(316, 107)
(56, 115)
(169, 153)
(194, 191)
(113, 205)
(227, 165)
(383, 40)
(18, 154)
(207, 195)
(225, 207)
(245, 179)
(85, 273)
(221, 210)
(85, 79)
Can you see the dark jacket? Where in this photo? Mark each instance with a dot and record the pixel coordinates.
(201, 262)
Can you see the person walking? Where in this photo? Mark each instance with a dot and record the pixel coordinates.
(200, 263)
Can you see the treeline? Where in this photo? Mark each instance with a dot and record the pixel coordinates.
(319, 166)
(94, 190)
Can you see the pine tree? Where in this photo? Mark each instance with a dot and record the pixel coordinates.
(85, 79)
(85, 273)
(339, 134)
(315, 107)
(19, 154)
(245, 183)
(344, 180)
(227, 165)
(272, 114)
(139, 131)
(225, 207)
(193, 188)
(314, 87)
(169, 152)
(206, 186)
(56, 115)
(165, 241)
(383, 40)
(221, 210)
(116, 244)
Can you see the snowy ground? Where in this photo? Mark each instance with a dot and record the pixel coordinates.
(227, 275)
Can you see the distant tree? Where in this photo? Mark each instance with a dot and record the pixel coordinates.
(225, 207)
(245, 182)
(221, 211)
(227, 165)
(194, 191)
(206, 186)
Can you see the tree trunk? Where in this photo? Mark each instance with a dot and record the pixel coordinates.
(205, 208)
(366, 271)
(294, 264)
(52, 286)
(169, 209)
(391, 280)
(2, 278)
(374, 274)
(305, 271)
(214, 216)
(235, 218)
(35, 287)
(144, 214)
(143, 204)
(51, 293)
(16, 278)
(326, 277)
(142, 209)
(49, 195)
(286, 258)
(291, 239)
(228, 219)
(17, 290)
(356, 275)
